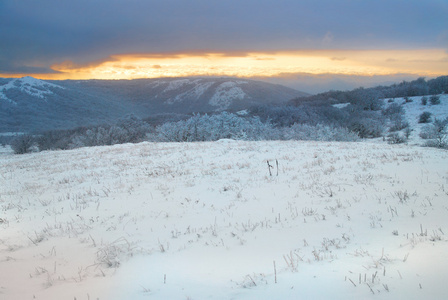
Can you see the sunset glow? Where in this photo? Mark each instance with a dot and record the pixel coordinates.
(253, 64)
(59, 40)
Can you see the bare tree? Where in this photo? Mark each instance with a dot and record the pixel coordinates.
(23, 144)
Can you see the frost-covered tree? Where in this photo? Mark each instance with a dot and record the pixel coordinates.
(396, 138)
(211, 128)
(425, 117)
(130, 129)
(133, 128)
(434, 99)
(369, 124)
(23, 144)
(417, 87)
(367, 99)
(436, 133)
(393, 109)
(319, 132)
(438, 85)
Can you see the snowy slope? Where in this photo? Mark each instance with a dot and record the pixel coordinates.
(195, 90)
(29, 85)
(217, 94)
(207, 221)
(415, 108)
(226, 93)
(221, 93)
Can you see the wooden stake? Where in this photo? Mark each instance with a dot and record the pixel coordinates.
(276, 162)
(275, 272)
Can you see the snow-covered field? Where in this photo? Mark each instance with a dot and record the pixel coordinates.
(209, 221)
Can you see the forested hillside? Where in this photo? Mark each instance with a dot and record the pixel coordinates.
(31, 105)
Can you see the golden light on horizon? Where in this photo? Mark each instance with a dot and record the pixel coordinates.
(429, 62)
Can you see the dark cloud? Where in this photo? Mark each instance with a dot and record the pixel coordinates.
(38, 34)
(7, 67)
(69, 64)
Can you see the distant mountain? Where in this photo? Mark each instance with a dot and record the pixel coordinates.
(28, 85)
(28, 104)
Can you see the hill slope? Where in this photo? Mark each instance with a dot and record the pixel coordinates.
(415, 108)
(29, 104)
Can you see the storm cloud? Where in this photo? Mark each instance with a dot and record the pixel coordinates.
(35, 35)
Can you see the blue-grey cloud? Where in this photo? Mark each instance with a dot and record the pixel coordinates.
(37, 34)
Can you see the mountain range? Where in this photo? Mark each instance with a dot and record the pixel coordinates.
(31, 105)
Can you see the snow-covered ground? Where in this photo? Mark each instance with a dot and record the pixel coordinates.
(209, 221)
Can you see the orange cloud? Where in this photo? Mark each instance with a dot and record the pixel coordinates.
(429, 62)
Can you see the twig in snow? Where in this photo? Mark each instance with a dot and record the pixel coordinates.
(370, 288)
(269, 168)
(352, 282)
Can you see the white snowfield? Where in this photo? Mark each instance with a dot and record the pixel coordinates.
(213, 221)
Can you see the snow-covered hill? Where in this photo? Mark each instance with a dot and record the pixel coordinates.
(413, 108)
(31, 105)
(29, 85)
(209, 221)
(222, 95)
(186, 95)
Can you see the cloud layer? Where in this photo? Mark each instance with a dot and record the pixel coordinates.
(36, 35)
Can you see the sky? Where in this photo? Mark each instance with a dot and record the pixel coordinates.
(283, 40)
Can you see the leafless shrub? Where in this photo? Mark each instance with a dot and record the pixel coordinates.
(292, 260)
(402, 196)
(309, 212)
(109, 254)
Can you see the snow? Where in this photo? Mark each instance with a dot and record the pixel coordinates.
(341, 105)
(208, 221)
(243, 112)
(176, 84)
(11, 133)
(194, 93)
(414, 109)
(6, 150)
(31, 86)
(226, 93)
(192, 89)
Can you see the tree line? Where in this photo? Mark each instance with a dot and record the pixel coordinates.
(363, 115)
